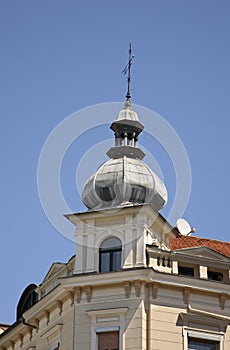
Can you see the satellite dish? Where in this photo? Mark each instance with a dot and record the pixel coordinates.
(183, 227)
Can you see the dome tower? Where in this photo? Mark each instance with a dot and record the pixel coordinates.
(125, 179)
(124, 197)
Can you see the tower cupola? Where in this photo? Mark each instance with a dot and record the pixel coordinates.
(126, 130)
(125, 179)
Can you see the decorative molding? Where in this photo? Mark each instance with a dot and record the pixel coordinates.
(147, 305)
(108, 316)
(60, 306)
(88, 292)
(106, 312)
(78, 294)
(186, 295)
(222, 300)
(206, 313)
(47, 316)
(127, 288)
(215, 336)
(137, 285)
(20, 336)
(71, 295)
(36, 322)
(53, 332)
(30, 325)
(30, 333)
(154, 290)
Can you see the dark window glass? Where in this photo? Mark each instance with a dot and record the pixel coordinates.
(108, 341)
(200, 344)
(117, 260)
(28, 298)
(215, 276)
(105, 261)
(186, 271)
(110, 255)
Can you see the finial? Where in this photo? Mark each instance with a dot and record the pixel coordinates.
(126, 70)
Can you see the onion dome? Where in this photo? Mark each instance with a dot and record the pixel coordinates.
(125, 178)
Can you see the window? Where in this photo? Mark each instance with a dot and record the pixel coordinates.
(215, 276)
(186, 271)
(28, 298)
(204, 339)
(110, 255)
(108, 341)
(202, 344)
(108, 328)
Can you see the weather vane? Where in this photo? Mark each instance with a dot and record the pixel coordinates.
(126, 71)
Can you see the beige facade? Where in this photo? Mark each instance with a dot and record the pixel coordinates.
(148, 301)
(135, 282)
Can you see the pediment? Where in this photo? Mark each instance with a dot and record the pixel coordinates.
(55, 267)
(202, 252)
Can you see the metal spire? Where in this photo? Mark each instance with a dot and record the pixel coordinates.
(126, 71)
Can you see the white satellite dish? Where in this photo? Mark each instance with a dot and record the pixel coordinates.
(183, 227)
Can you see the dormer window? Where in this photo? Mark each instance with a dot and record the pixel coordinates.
(186, 271)
(215, 276)
(110, 255)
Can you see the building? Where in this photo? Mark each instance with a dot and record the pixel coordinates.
(136, 282)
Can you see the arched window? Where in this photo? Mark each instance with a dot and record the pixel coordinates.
(110, 255)
(28, 298)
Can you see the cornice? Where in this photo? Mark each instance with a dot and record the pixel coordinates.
(147, 275)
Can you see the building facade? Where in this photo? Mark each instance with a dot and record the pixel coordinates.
(135, 282)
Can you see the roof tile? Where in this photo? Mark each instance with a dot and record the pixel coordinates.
(192, 241)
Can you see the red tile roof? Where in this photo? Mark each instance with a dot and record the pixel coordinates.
(191, 241)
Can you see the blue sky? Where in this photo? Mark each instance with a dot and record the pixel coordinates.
(60, 56)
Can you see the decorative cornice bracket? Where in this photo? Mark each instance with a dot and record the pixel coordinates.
(127, 288)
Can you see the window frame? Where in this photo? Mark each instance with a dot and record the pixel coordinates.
(106, 321)
(217, 337)
(111, 251)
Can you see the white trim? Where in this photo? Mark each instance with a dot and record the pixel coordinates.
(101, 237)
(205, 335)
(107, 329)
(106, 312)
(99, 325)
(199, 334)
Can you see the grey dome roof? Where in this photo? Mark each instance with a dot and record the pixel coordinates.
(121, 181)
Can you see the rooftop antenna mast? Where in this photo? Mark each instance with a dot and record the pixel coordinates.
(127, 70)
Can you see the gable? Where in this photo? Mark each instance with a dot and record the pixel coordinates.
(55, 267)
(202, 252)
(192, 241)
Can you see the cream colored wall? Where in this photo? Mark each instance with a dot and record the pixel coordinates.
(164, 332)
(151, 298)
(165, 306)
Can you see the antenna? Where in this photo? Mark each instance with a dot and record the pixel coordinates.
(126, 71)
